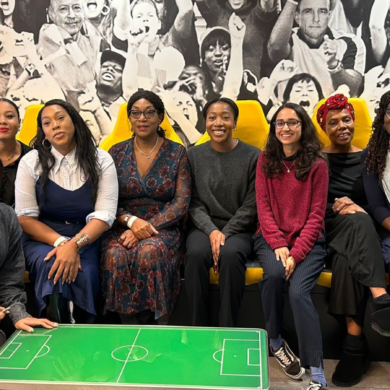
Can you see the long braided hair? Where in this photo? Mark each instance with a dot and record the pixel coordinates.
(86, 152)
(378, 145)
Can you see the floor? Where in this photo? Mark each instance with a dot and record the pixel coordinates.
(376, 377)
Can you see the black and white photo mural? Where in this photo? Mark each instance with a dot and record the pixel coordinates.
(96, 53)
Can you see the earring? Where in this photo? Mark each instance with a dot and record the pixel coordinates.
(46, 147)
(106, 10)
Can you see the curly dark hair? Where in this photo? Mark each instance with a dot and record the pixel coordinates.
(156, 102)
(86, 152)
(308, 153)
(378, 145)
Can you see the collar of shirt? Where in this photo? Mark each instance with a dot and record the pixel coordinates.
(70, 158)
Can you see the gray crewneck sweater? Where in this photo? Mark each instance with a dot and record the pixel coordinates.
(223, 191)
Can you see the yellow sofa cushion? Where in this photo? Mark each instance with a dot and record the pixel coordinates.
(252, 127)
(122, 130)
(29, 127)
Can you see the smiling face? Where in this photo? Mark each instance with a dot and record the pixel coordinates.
(67, 14)
(289, 136)
(313, 18)
(340, 127)
(217, 56)
(9, 121)
(93, 8)
(111, 75)
(237, 4)
(58, 128)
(220, 122)
(145, 127)
(145, 18)
(305, 94)
(7, 6)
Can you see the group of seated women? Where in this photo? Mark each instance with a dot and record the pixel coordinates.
(107, 232)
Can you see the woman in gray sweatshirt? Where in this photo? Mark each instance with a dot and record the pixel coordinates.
(222, 212)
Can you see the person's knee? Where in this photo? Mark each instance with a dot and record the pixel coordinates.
(197, 256)
(232, 259)
(298, 295)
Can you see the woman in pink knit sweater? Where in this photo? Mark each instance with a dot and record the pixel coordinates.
(291, 195)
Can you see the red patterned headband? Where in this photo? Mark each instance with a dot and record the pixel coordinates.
(336, 102)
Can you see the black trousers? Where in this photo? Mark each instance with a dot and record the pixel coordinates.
(357, 263)
(302, 282)
(199, 259)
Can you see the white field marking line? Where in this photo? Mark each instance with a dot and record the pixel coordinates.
(128, 355)
(36, 355)
(48, 350)
(219, 361)
(223, 351)
(9, 357)
(150, 327)
(135, 360)
(260, 362)
(248, 357)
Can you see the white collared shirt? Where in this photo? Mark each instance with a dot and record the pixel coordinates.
(66, 173)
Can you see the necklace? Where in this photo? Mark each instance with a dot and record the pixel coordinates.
(146, 154)
(13, 154)
(288, 169)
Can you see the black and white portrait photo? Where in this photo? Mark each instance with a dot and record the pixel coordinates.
(97, 53)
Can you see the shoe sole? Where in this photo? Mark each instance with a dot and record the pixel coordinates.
(298, 376)
(356, 381)
(379, 330)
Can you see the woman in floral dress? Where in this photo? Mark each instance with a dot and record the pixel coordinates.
(141, 254)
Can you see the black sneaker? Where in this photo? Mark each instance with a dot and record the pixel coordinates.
(314, 385)
(288, 361)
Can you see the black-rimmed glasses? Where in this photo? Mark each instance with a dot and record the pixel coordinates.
(147, 114)
(291, 123)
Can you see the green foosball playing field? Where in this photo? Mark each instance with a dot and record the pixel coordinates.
(146, 357)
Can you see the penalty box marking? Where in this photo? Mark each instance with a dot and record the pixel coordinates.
(258, 341)
(19, 336)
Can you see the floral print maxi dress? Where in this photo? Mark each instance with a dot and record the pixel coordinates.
(147, 276)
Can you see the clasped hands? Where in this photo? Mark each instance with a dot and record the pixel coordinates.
(140, 230)
(345, 206)
(283, 254)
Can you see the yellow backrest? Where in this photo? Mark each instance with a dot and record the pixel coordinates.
(252, 127)
(363, 123)
(122, 130)
(29, 127)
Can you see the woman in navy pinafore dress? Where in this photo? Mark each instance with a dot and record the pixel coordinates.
(66, 197)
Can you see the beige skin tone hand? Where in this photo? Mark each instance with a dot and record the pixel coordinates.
(143, 229)
(217, 239)
(28, 323)
(344, 206)
(128, 239)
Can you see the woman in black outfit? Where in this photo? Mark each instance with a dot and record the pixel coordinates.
(355, 248)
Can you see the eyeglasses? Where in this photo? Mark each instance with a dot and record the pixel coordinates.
(291, 124)
(147, 114)
(387, 113)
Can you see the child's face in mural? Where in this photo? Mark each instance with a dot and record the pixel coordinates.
(111, 74)
(305, 94)
(93, 8)
(195, 81)
(145, 18)
(217, 56)
(313, 17)
(7, 6)
(67, 14)
(184, 101)
(237, 4)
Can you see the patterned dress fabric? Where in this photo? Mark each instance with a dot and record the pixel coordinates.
(147, 277)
